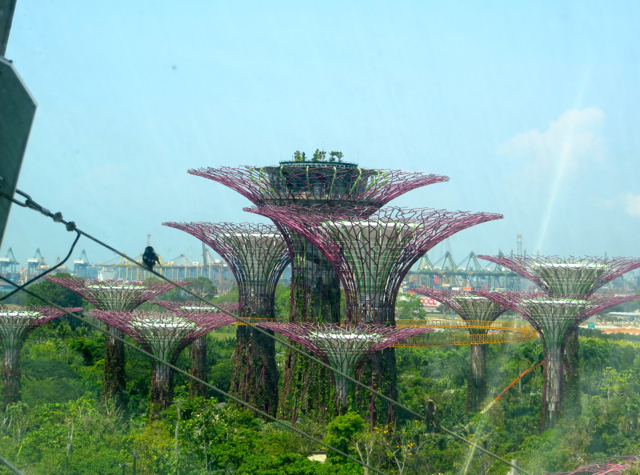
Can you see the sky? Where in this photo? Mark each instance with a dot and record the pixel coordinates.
(531, 108)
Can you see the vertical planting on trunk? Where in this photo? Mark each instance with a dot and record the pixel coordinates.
(372, 251)
(562, 278)
(257, 255)
(114, 297)
(161, 388)
(346, 348)
(477, 387)
(164, 335)
(555, 319)
(198, 367)
(16, 323)
(315, 297)
(11, 375)
(113, 381)
(477, 312)
(315, 289)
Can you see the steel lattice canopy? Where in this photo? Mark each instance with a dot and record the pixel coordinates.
(560, 276)
(17, 110)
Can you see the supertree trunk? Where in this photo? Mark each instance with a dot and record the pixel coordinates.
(114, 382)
(477, 388)
(315, 297)
(161, 388)
(571, 372)
(11, 376)
(380, 373)
(255, 375)
(552, 394)
(198, 367)
(317, 285)
(305, 391)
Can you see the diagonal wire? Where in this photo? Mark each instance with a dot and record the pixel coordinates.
(22, 287)
(10, 466)
(71, 226)
(187, 374)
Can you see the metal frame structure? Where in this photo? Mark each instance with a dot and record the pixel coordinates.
(16, 323)
(257, 255)
(315, 285)
(372, 253)
(344, 347)
(471, 307)
(165, 335)
(559, 276)
(114, 296)
(554, 318)
(316, 182)
(613, 466)
(199, 345)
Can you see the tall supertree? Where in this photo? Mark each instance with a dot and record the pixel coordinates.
(165, 335)
(199, 345)
(257, 255)
(477, 309)
(344, 347)
(560, 277)
(554, 318)
(16, 323)
(315, 286)
(121, 297)
(372, 254)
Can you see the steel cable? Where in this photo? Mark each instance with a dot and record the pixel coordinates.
(188, 375)
(48, 271)
(57, 217)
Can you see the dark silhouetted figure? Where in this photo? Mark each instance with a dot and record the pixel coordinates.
(431, 415)
(150, 258)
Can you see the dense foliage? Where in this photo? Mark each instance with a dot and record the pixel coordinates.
(61, 427)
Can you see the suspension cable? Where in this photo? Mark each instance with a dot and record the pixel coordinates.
(57, 217)
(188, 375)
(10, 466)
(48, 271)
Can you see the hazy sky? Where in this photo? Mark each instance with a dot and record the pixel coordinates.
(532, 109)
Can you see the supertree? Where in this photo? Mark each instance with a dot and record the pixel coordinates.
(559, 276)
(164, 335)
(344, 347)
(372, 254)
(199, 345)
(553, 318)
(257, 255)
(121, 297)
(315, 286)
(564, 276)
(471, 308)
(16, 323)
